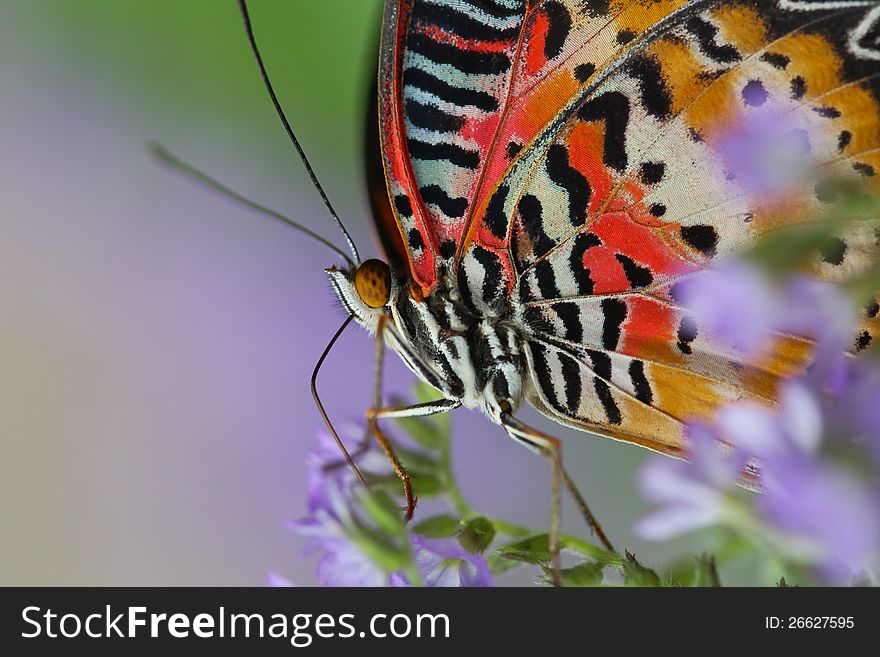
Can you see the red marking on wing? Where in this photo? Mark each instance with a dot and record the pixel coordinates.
(646, 245)
(535, 59)
(650, 325)
(442, 36)
(398, 168)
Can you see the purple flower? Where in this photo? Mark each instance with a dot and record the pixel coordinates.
(444, 562)
(767, 153)
(818, 449)
(274, 580)
(836, 516)
(337, 531)
(740, 308)
(734, 303)
(693, 494)
(332, 492)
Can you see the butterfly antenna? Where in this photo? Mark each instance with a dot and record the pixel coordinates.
(169, 159)
(253, 41)
(321, 405)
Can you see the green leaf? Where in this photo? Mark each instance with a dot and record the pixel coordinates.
(424, 484)
(706, 571)
(789, 248)
(477, 535)
(437, 526)
(425, 393)
(378, 547)
(413, 459)
(586, 574)
(499, 564)
(635, 574)
(384, 511)
(589, 550)
(534, 549)
(425, 432)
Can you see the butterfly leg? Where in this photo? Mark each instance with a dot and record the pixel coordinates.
(416, 410)
(551, 447)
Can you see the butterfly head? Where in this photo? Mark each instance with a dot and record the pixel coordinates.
(364, 291)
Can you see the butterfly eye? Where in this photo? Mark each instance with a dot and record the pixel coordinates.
(373, 283)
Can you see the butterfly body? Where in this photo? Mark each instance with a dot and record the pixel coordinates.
(474, 357)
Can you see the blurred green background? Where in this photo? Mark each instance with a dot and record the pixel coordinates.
(156, 341)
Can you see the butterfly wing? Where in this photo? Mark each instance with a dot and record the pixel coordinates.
(635, 184)
(445, 66)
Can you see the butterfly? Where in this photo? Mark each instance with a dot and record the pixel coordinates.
(554, 170)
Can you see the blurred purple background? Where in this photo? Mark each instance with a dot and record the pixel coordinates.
(156, 342)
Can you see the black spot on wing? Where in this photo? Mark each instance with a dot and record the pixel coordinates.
(496, 219)
(601, 363)
(703, 238)
(776, 60)
(864, 169)
(404, 208)
(637, 275)
(833, 251)
(872, 309)
(754, 93)
(570, 315)
(532, 218)
(460, 23)
(706, 33)
(640, 381)
(612, 107)
(843, 140)
(543, 374)
(466, 61)
(432, 118)
(557, 31)
(571, 180)
(798, 87)
(492, 279)
(827, 112)
(582, 242)
(451, 207)
(460, 96)
(655, 96)
(652, 172)
(416, 243)
(513, 149)
(462, 157)
(687, 333)
(657, 210)
(546, 279)
(603, 391)
(623, 37)
(583, 71)
(571, 378)
(614, 313)
(447, 249)
(863, 341)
